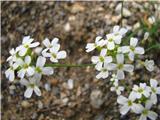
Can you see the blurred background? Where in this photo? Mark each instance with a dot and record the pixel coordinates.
(75, 24)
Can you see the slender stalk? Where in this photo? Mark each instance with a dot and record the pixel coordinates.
(122, 14)
(69, 65)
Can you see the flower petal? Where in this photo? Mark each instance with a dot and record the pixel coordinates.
(103, 52)
(120, 74)
(139, 50)
(30, 71)
(131, 56)
(28, 92)
(154, 98)
(35, 44)
(108, 59)
(152, 115)
(22, 51)
(55, 48)
(47, 71)
(90, 47)
(123, 31)
(24, 82)
(95, 59)
(40, 61)
(37, 91)
(21, 73)
(128, 68)
(137, 108)
(122, 100)
(46, 42)
(116, 28)
(143, 117)
(52, 59)
(27, 60)
(61, 55)
(120, 58)
(54, 41)
(133, 42)
(123, 49)
(110, 45)
(102, 75)
(124, 109)
(26, 39)
(99, 66)
(153, 83)
(111, 66)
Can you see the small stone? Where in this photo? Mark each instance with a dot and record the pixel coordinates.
(126, 12)
(67, 27)
(70, 84)
(47, 86)
(40, 105)
(54, 82)
(96, 98)
(65, 101)
(77, 8)
(25, 104)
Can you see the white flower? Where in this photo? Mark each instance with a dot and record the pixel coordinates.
(10, 72)
(13, 56)
(25, 67)
(115, 37)
(32, 85)
(132, 49)
(120, 66)
(100, 60)
(151, 20)
(128, 104)
(99, 42)
(118, 89)
(146, 35)
(114, 80)
(26, 44)
(149, 64)
(143, 89)
(154, 90)
(40, 69)
(147, 113)
(54, 43)
(103, 72)
(55, 54)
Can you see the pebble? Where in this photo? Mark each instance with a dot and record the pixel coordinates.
(25, 104)
(40, 105)
(126, 12)
(67, 27)
(96, 99)
(70, 84)
(47, 86)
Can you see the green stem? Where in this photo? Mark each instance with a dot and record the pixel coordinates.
(122, 14)
(69, 65)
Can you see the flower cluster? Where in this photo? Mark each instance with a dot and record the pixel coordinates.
(30, 66)
(140, 100)
(114, 55)
(117, 57)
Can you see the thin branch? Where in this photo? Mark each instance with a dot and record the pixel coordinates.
(122, 14)
(69, 65)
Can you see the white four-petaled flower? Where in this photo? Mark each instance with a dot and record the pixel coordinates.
(32, 85)
(25, 67)
(54, 54)
(26, 44)
(117, 88)
(147, 113)
(149, 64)
(128, 104)
(100, 60)
(132, 49)
(99, 42)
(140, 90)
(115, 37)
(40, 69)
(120, 66)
